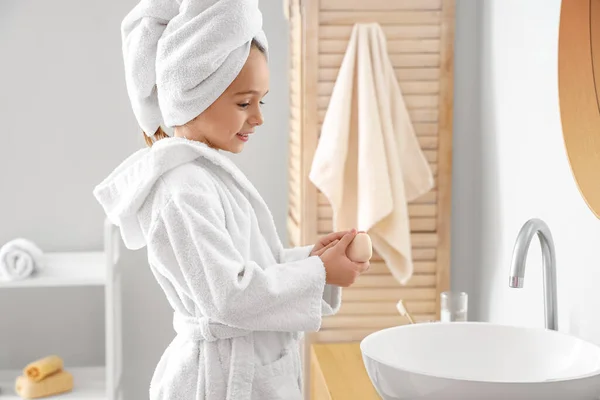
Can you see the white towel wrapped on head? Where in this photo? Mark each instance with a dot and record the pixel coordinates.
(183, 54)
(19, 259)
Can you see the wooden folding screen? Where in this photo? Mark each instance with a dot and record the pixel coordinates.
(420, 37)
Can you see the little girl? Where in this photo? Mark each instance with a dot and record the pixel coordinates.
(240, 299)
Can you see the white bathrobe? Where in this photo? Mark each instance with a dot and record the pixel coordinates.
(239, 298)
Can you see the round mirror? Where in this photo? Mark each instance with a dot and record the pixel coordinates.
(595, 45)
(579, 93)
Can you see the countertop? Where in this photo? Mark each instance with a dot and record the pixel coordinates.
(337, 368)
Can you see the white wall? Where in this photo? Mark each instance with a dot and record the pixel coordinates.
(525, 173)
(466, 160)
(66, 122)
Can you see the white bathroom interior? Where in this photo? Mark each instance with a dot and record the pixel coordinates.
(66, 122)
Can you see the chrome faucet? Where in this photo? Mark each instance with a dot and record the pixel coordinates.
(517, 268)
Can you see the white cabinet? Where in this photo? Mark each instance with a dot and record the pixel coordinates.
(84, 269)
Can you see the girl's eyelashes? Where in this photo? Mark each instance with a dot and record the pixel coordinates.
(246, 105)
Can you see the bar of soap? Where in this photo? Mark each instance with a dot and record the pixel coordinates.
(361, 248)
(57, 383)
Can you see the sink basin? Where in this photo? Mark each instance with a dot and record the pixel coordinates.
(476, 360)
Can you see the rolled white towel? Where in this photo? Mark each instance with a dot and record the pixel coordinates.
(19, 259)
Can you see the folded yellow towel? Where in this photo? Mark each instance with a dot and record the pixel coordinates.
(43, 367)
(59, 382)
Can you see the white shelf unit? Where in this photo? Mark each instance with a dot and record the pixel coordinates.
(84, 269)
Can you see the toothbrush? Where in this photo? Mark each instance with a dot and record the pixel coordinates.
(402, 310)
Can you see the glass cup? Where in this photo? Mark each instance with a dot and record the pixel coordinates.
(454, 306)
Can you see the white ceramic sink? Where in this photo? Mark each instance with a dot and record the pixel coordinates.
(476, 360)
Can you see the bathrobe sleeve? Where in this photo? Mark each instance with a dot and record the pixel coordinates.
(190, 241)
(332, 295)
(295, 253)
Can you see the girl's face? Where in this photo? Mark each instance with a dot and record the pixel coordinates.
(231, 120)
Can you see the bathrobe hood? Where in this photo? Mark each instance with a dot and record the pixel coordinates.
(125, 190)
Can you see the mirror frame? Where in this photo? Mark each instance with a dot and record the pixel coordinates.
(579, 104)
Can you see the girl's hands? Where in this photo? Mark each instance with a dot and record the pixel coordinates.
(326, 241)
(340, 270)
